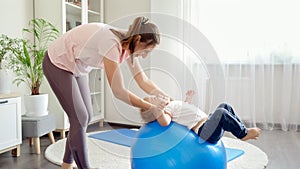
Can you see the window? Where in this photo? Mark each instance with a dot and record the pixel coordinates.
(264, 31)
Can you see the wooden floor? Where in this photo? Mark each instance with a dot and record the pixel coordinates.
(282, 148)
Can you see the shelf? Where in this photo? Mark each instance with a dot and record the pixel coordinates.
(93, 13)
(9, 95)
(95, 93)
(73, 9)
(76, 10)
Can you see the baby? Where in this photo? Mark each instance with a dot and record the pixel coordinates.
(210, 128)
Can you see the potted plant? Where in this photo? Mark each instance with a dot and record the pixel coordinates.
(4, 43)
(26, 62)
(5, 77)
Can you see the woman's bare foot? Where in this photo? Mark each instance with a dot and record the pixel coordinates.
(66, 166)
(253, 133)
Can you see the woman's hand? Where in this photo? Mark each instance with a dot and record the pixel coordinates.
(167, 99)
(157, 110)
(159, 103)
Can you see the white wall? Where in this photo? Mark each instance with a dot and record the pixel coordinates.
(14, 16)
(115, 9)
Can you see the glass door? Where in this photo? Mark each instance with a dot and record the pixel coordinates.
(95, 11)
(74, 17)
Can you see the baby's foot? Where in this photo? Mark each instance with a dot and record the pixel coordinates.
(253, 133)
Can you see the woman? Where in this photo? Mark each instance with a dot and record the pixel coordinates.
(69, 59)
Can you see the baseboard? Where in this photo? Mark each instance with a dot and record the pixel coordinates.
(273, 126)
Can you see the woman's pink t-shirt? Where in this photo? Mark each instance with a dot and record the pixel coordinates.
(83, 48)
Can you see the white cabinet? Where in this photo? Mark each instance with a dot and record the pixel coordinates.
(65, 15)
(10, 121)
(81, 12)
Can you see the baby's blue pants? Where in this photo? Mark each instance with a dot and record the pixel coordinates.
(222, 119)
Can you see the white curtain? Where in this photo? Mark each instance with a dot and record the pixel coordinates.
(258, 44)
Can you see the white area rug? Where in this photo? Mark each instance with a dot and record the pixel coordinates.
(106, 155)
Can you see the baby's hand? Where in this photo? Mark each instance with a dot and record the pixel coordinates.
(189, 96)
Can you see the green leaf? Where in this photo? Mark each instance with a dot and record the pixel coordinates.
(27, 56)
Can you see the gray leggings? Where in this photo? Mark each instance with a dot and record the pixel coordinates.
(74, 96)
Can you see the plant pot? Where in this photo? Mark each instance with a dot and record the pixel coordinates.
(5, 82)
(36, 105)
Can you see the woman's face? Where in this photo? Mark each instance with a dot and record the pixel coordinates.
(142, 49)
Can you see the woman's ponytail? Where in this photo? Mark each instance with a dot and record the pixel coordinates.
(141, 26)
(135, 27)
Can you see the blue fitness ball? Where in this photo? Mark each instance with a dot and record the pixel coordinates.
(174, 147)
